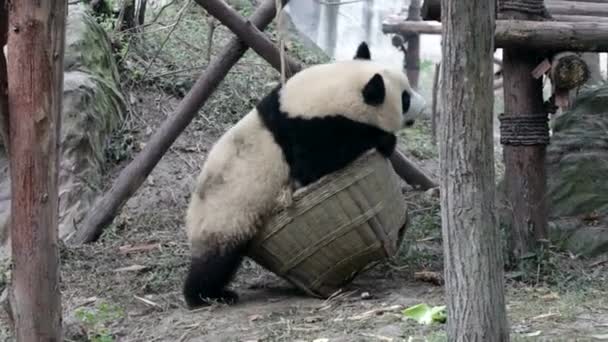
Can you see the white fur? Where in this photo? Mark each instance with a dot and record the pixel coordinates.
(245, 175)
(335, 89)
(254, 175)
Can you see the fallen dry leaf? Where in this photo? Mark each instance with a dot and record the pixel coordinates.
(132, 268)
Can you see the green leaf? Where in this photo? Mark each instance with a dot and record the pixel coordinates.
(424, 314)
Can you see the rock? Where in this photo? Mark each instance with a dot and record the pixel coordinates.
(93, 107)
(577, 164)
(391, 331)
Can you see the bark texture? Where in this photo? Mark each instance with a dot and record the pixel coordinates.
(35, 77)
(3, 75)
(471, 237)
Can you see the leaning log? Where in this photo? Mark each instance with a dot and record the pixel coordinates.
(547, 35)
(35, 82)
(410, 173)
(131, 178)
(255, 38)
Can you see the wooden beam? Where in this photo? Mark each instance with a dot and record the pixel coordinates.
(36, 43)
(549, 35)
(579, 18)
(131, 178)
(594, 1)
(431, 9)
(577, 8)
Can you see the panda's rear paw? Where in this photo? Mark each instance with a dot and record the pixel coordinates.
(228, 297)
(224, 297)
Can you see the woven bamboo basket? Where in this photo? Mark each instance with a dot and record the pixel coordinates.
(337, 227)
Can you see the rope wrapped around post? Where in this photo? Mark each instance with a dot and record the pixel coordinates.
(525, 130)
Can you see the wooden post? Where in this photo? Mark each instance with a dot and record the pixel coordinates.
(471, 236)
(412, 58)
(525, 174)
(35, 82)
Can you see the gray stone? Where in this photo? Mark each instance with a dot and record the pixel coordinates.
(577, 166)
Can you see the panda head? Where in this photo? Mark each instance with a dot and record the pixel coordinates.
(360, 89)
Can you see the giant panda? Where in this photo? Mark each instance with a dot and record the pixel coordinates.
(320, 120)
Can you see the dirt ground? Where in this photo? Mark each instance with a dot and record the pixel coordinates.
(130, 281)
(127, 286)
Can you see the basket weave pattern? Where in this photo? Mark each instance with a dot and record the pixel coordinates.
(335, 228)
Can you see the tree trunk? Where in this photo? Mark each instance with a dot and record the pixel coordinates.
(35, 82)
(3, 75)
(471, 236)
(141, 12)
(126, 18)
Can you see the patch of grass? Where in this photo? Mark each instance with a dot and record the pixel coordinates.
(96, 320)
(416, 140)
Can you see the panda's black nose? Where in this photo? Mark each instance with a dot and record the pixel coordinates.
(409, 123)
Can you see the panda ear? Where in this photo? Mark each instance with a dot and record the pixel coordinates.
(363, 51)
(374, 91)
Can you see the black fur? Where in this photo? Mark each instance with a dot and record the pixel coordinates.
(210, 272)
(363, 52)
(374, 91)
(318, 146)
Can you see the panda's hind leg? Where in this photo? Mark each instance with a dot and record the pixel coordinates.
(211, 269)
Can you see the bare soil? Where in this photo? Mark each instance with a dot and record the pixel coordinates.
(145, 285)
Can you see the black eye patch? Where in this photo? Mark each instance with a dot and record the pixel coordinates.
(405, 101)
